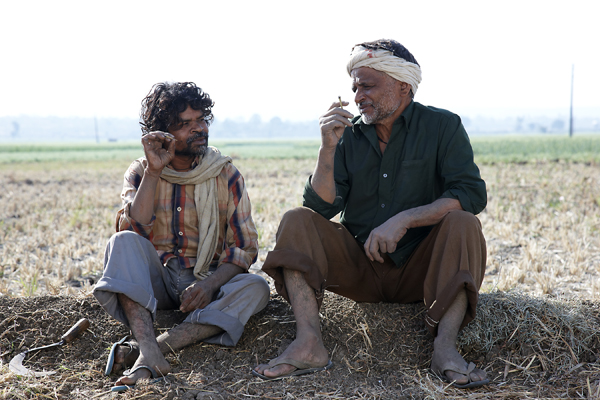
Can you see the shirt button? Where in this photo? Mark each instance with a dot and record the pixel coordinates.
(385, 175)
(180, 233)
(383, 206)
(178, 208)
(180, 251)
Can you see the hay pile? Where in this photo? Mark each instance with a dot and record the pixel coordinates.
(530, 347)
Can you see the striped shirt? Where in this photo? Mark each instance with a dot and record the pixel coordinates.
(174, 227)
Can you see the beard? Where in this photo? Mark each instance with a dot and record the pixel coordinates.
(189, 150)
(384, 109)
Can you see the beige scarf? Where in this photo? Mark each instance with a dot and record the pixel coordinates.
(204, 176)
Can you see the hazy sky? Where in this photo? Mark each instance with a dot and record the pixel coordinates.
(288, 59)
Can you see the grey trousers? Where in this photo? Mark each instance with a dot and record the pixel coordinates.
(132, 267)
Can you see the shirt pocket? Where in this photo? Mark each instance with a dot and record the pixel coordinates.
(414, 186)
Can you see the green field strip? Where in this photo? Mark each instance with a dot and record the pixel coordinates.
(507, 148)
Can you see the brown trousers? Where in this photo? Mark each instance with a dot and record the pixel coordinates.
(451, 258)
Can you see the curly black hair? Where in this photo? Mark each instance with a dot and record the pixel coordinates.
(390, 45)
(165, 101)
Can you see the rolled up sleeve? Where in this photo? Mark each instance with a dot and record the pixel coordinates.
(461, 177)
(241, 236)
(131, 183)
(312, 200)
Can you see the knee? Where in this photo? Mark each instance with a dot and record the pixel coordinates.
(130, 239)
(297, 215)
(459, 219)
(123, 237)
(257, 285)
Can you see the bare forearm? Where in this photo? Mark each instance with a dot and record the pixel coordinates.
(431, 214)
(386, 236)
(322, 180)
(222, 275)
(142, 207)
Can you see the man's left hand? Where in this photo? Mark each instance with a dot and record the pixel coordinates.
(197, 295)
(386, 236)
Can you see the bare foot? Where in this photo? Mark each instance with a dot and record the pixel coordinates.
(308, 352)
(447, 360)
(125, 356)
(156, 361)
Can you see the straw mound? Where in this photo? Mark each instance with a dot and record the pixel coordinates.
(530, 347)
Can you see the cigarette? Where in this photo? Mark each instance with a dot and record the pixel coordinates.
(341, 105)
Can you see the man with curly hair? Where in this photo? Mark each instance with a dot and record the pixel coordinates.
(185, 239)
(403, 178)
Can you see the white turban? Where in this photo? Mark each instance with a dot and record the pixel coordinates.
(385, 61)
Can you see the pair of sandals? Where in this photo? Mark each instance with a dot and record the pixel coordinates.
(111, 362)
(302, 369)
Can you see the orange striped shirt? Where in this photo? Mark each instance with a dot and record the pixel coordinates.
(174, 227)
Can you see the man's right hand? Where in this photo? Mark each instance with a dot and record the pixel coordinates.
(333, 123)
(159, 148)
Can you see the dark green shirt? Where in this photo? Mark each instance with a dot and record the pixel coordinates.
(428, 157)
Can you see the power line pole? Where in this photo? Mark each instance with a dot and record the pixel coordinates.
(571, 111)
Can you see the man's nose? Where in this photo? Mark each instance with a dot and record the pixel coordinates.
(200, 126)
(358, 96)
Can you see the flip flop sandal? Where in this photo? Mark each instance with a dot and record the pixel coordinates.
(300, 371)
(471, 384)
(123, 388)
(111, 356)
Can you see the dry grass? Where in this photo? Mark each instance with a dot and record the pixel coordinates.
(542, 226)
(542, 223)
(538, 326)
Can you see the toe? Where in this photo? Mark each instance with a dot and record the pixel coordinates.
(131, 379)
(279, 370)
(261, 368)
(457, 377)
(478, 375)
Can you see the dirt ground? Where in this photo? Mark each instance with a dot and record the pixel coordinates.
(379, 351)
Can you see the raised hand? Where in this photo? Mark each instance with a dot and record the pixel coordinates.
(159, 148)
(333, 123)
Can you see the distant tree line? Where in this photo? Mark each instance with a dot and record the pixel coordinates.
(45, 129)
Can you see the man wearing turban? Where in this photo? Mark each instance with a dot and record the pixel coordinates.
(403, 178)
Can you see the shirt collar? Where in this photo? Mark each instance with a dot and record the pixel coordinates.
(358, 125)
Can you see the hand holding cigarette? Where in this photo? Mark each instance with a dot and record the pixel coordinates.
(165, 134)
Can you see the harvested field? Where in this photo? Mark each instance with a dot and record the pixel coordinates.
(537, 332)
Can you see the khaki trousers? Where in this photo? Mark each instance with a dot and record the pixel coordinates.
(451, 258)
(132, 267)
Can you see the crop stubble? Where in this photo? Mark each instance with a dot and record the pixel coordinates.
(542, 223)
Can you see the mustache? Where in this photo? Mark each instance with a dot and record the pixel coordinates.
(197, 136)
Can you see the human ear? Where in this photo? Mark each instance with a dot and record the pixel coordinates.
(405, 89)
